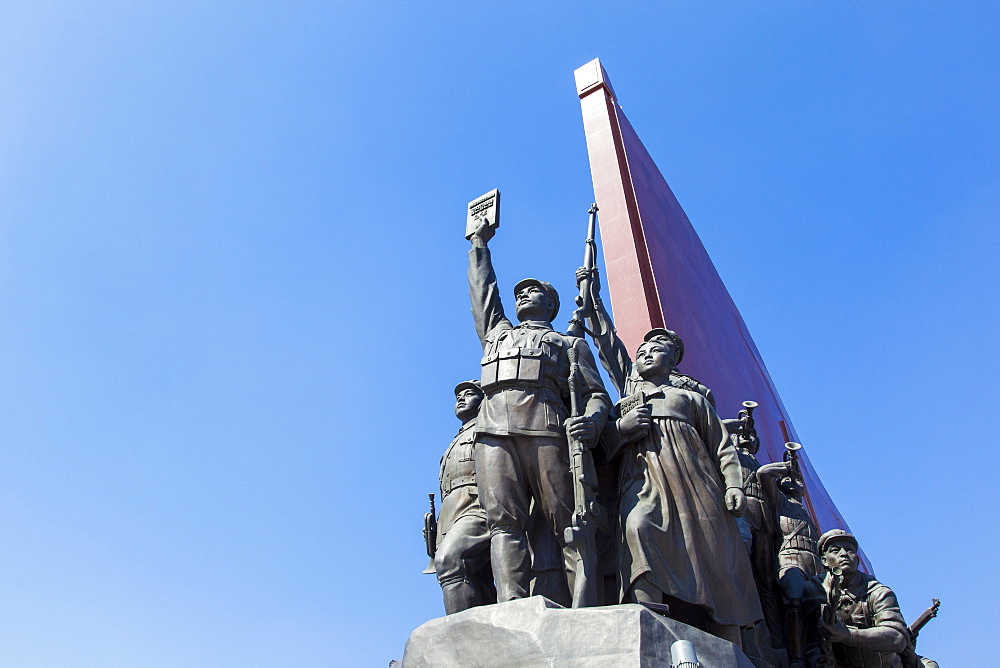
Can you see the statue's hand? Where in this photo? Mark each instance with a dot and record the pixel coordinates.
(736, 501)
(595, 279)
(482, 234)
(582, 429)
(837, 631)
(635, 423)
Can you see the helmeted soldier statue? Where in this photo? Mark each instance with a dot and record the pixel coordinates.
(521, 447)
(858, 623)
(462, 558)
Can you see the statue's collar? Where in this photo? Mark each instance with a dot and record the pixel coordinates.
(535, 324)
(653, 390)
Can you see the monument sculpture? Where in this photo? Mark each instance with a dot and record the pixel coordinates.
(856, 618)
(796, 540)
(550, 491)
(680, 483)
(522, 452)
(680, 486)
(462, 547)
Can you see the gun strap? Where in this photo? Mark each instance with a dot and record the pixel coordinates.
(583, 327)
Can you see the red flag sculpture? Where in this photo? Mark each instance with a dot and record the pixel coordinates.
(659, 274)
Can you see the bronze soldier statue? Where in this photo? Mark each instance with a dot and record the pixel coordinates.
(756, 527)
(796, 544)
(521, 434)
(856, 621)
(462, 557)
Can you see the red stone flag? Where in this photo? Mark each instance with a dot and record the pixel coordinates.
(659, 274)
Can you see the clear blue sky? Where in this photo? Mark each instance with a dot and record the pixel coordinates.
(233, 300)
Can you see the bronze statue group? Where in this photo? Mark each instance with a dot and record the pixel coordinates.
(550, 488)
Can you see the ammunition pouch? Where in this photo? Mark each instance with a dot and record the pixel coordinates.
(514, 367)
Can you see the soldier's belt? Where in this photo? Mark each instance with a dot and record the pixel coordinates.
(461, 481)
(520, 367)
(799, 543)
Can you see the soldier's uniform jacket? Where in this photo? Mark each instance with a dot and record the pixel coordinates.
(749, 464)
(525, 367)
(799, 539)
(797, 529)
(865, 604)
(458, 481)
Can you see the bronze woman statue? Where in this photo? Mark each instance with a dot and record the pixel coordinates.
(679, 486)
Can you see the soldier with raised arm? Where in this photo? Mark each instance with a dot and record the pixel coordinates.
(521, 446)
(796, 557)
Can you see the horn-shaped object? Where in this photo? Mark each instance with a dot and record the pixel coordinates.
(792, 456)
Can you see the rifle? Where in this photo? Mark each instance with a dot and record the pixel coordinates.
(583, 300)
(926, 616)
(430, 534)
(581, 535)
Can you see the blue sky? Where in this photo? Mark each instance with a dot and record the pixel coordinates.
(232, 271)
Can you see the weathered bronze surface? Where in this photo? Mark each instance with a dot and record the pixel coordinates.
(854, 619)
(522, 453)
(680, 515)
(680, 484)
(462, 555)
(484, 210)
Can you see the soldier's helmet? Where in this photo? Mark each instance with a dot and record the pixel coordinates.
(544, 285)
(836, 534)
(669, 334)
(468, 385)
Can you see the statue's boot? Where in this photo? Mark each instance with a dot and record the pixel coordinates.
(794, 636)
(769, 602)
(511, 565)
(459, 596)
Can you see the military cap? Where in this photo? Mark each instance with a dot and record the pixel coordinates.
(670, 334)
(544, 285)
(468, 385)
(836, 534)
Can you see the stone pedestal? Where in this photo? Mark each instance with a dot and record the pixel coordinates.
(537, 632)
